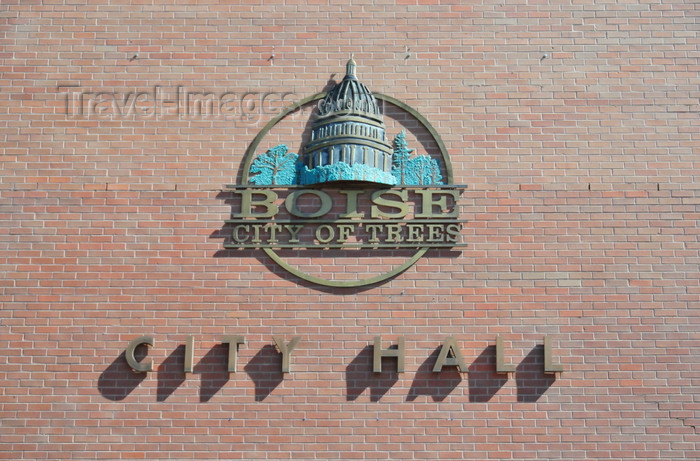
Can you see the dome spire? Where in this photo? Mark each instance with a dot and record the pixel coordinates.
(350, 67)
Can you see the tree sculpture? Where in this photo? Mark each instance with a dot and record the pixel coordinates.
(401, 157)
(421, 170)
(277, 166)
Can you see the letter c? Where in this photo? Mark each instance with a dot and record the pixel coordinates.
(138, 367)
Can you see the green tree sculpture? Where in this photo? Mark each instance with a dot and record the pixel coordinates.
(401, 158)
(421, 170)
(425, 171)
(277, 166)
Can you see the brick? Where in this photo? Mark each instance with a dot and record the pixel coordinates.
(581, 209)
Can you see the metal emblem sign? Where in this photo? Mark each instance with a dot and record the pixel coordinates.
(350, 195)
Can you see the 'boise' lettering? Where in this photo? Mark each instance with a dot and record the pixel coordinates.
(260, 203)
(307, 218)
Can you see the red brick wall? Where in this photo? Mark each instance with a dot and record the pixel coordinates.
(582, 212)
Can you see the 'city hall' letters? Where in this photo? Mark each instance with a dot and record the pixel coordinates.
(450, 354)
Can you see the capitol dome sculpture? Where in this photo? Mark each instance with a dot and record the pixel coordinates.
(348, 138)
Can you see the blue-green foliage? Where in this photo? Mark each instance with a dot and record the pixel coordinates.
(421, 170)
(342, 171)
(401, 157)
(277, 166)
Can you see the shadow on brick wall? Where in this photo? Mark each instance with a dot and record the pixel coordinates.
(118, 380)
(224, 236)
(530, 378)
(435, 385)
(359, 375)
(170, 374)
(265, 370)
(213, 371)
(484, 382)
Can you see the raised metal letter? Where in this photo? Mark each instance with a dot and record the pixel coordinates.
(286, 350)
(138, 367)
(456, 360)
(233, 342)
(501, 367)
(399, 353)
(189, 355)
(549, 367)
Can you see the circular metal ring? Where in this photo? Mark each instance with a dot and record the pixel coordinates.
(248, 158)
